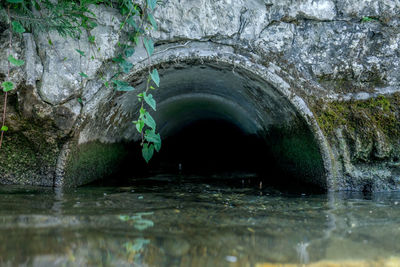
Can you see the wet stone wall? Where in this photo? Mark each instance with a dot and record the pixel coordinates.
(328, 67)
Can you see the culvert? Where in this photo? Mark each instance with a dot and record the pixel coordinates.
(212, 118)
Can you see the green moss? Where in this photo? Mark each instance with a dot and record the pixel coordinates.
(331, 117)
(27, 162)
(91, 161)
(368, 125)
(361, 116)
(30, 148)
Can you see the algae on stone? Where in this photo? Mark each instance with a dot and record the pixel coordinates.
(364, 137)
(91, 161)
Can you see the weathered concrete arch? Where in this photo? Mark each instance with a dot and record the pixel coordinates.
(338, 72)
(203, 82)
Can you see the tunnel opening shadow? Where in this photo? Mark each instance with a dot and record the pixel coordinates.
(213, 151)
(210, 147)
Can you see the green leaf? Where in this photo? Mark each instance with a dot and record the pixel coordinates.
(149, 121)
(118, 59)
(157, 146)
(152, 3)
(93, 24)
(136, 40)
(4, 128)
(92, 39)
(139, 125)
(84, 75)
(7, 86)
(147, 152)
(152, 137)
(366, 19)
(124, 10)
(50, 42)
(79, 100)
(15, 1)
(17, 27)
(155, 77)
(129, 51)
(126, 66)
(131, 21)
(37, 6)
(122, 86)
(80, 52)
(15, 62)
(149, 45)
(150, 100)
(152, 20)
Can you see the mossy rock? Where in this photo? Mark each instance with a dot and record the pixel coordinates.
(380, 113)
(373, 121)
(27, 162)
(92, 161)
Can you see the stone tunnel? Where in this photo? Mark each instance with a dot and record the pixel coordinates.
(308, 89)
(211, 116)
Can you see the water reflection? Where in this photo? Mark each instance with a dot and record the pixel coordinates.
(302, 253)
(137, 221)
(195, 224)
(135, 250)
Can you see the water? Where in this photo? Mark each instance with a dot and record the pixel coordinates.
(165, 222)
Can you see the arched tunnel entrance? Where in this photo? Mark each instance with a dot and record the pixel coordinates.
(223, 122)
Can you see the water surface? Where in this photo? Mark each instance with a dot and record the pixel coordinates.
(167, 221)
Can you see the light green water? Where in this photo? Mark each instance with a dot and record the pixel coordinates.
(169, 222)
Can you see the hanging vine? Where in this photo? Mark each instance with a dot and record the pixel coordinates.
(8, 85)
(69, 18)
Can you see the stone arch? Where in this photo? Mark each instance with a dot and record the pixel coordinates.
(261, 103)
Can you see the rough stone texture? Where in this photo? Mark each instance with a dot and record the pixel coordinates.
(63, 64)
(33, 65)
(323, 56)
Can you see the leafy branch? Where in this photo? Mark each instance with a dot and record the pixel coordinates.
(145, 124)
(68, 18)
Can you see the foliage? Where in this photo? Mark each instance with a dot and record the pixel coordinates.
(7, 86)
(66, 17)
(367, 19)
(69, 19)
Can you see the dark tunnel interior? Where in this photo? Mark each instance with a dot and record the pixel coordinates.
(228, 127)
(218, 151)
(209, 147)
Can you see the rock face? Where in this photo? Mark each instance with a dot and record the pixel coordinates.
(332, 66)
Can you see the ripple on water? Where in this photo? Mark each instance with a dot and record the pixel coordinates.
(196, 224)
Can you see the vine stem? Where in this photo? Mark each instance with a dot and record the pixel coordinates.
(149, 68)
(123, 24)
(8, 76)
(147, 83)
